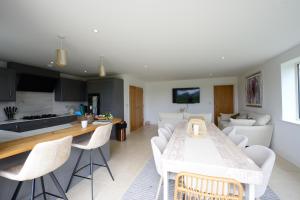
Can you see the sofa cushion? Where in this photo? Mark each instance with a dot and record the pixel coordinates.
(241, 122)
(225, 117)
(164, 116)
(261, 119)
(206, 116)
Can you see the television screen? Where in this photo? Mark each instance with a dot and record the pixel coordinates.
(186, 95)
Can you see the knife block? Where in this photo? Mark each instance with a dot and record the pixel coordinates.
(10, 112)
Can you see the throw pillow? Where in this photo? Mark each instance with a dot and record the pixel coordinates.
(241, 122)
(225, 117)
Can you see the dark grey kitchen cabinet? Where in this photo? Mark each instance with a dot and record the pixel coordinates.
(70, 90)
(7, 85)
(37, 124)
(111, 91)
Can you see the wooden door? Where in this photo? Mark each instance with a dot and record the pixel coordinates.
(136, 107)
(223, 100)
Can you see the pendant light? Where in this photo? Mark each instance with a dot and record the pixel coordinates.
(102, 72)
(61, 54)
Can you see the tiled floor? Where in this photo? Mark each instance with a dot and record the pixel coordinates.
(128, 159)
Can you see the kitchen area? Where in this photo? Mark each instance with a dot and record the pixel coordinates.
(38, 103)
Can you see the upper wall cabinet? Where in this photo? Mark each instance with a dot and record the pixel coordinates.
(70, 90)
(7, 85)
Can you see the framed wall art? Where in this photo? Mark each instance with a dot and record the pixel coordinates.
(254, 93)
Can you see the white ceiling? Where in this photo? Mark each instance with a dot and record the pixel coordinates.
(176, 39)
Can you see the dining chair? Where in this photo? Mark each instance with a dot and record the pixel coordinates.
(158, 145)
(169, 127)
(239, 140)
(189, 186)
(229, 131)
(265, 159)
(164, 133)
(43, 160)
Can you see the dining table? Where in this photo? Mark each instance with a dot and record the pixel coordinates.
(210, 154)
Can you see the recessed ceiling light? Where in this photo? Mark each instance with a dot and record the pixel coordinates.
(223, 57)
(95, 31)
(85, 71)
(51, 62)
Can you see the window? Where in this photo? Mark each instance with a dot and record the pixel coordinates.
(290, 91)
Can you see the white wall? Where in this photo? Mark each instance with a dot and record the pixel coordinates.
(158, 96)
(286, 136)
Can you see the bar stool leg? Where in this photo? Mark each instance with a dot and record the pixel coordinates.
(107, 167)
(33, 189)
(91, 173)
(43, 188)
(74, 170)
(15, 195)
(58, 186)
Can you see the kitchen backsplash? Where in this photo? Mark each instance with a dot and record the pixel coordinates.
(35, 103)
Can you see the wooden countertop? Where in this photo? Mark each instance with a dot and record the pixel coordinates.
(14, 147)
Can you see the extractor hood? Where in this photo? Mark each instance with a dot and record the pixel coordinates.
(34, 79)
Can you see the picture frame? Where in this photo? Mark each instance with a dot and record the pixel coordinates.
(254, 90)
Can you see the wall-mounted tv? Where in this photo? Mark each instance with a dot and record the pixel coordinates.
(186, 95)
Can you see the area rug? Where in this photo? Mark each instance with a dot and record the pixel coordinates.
(145, 185)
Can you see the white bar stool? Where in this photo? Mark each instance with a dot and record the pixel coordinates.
(44, 158)
(100, 137)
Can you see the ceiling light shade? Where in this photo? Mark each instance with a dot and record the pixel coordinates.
(61, 54)
(102, 72)
(61, 57)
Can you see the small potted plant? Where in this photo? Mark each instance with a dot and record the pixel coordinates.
(108, 116)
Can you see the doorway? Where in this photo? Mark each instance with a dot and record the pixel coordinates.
(136, 99)
(223, 100)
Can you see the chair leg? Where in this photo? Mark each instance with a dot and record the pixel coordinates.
(32, 189)
(43, 188)
(74, 170)
(58, 186)
(15, 195)
(91, 173)
(158, 189)
(107, 167)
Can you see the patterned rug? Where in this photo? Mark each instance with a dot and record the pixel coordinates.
(145, 185)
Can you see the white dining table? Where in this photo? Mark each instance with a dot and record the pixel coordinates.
(213, 154)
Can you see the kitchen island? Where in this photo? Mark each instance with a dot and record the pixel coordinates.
(16, 151)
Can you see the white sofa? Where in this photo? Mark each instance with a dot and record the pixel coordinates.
(259, 131)
(175, 118)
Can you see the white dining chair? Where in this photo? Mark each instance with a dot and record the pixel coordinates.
(265, 159)
(44, 158)
(169, 127)
(164, 133)
(239, 140)
(229, 131)
(158, 145)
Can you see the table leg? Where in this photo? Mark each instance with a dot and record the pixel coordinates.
(250, 192)
(165, 183)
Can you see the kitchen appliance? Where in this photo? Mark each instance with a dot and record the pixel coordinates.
(94, 103)
(34, 79)
(10, 112)
(43, 116)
